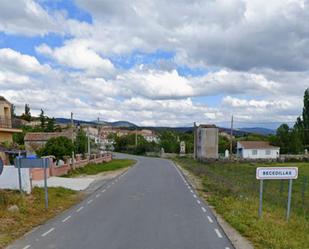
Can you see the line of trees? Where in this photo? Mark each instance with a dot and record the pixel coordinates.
(296, 139)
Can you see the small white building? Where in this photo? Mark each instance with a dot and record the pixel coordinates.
(257, 150)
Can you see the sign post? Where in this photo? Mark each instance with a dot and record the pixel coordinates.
(45, 183)
(1, 166)
(261, 198)
(33, 163)
(273, 173)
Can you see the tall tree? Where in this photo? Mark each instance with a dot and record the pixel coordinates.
(27, 114)
(42, 119)
(306, 118)
(50, 127)
(81, 142)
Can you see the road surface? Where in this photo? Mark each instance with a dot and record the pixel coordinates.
(151, 206)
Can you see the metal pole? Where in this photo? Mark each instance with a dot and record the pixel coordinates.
(89, 150)
(231, 139)
(19, 176)
(261, 199)
(45, 183)
(289, 200)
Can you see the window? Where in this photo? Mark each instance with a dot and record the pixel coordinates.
(254, 152)
(268, 152)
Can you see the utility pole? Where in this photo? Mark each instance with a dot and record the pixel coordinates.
(72, 127)
(231, 137)
(88, 134)
(194, 142)
(135, 137)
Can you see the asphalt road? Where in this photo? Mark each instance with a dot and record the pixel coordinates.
(151, 206)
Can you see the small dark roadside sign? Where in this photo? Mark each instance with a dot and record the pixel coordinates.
(1, 166)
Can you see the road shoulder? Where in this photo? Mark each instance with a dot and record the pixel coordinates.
(238, 241)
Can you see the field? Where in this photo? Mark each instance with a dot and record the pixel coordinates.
(31, 210)
(93, 169)
(234, 192)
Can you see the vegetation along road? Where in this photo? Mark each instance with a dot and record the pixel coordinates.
(233, 190)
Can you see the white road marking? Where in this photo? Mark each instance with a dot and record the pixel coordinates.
(103, 190)
(88, 202)
(49, 231)
(27, 246)
(191, 191)
(218, 233)
(67, 218)
(194, 196)
(198, 202)
(78, 210)
(97, 196)
(210, 219)
(227, 248)
(204, 210)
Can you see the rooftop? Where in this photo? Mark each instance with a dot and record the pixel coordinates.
(257, 145)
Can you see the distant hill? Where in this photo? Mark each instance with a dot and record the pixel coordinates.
(114, 124)
(129, 125)
(259, 130)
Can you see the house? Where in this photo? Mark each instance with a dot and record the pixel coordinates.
(206, 142)
(6, 127)
(37, 140)
(6, 122)
(257, 150)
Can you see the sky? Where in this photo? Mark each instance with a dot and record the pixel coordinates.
(155, 62)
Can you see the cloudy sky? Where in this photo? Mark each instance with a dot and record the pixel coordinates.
(155, 62)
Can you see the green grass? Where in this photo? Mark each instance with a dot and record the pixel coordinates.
(93, 169)
(234, 191)
(31, 210)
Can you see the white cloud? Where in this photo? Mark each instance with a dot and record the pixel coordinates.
(255, 51)
(78, 55)
(13, 60)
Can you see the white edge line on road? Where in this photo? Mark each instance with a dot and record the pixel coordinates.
(210, 219)
(227, 248)
(88, 202)
(191, 191)
(103, 190)
(194, 196)
(218, 233)
(64, 220)
(49, 231)
(79, 209)
(204, 210)
(97, 196)
(198, 202)
(27, 246)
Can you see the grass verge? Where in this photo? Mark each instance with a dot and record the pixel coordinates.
(31, 210)
(93, 169)
(234, 192)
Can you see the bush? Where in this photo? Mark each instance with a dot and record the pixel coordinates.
(58, 147)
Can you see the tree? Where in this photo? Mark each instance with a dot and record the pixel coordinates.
(27, 114)
(169, 141)
(224, 144)
(13, 114)
(58, 147)
(50, 127)
(305, 121)
(81, 142)
(42, 119)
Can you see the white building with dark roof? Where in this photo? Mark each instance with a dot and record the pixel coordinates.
(257, 150)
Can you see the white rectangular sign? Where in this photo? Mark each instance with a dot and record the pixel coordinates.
(265, 173)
